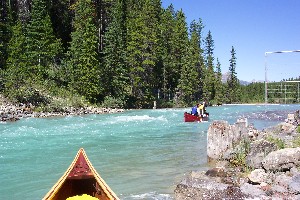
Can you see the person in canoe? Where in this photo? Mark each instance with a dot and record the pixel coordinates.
(201, 109)
(194, 110)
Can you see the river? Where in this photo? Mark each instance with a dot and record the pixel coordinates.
(141, 154)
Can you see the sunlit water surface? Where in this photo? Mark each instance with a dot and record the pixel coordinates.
(141, 154)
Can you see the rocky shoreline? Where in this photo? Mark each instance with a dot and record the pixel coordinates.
(11, 112)
(248, 163)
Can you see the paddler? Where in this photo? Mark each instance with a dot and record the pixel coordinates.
(194, 110)
(201, 109)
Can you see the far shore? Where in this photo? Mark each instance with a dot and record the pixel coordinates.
(11, 113)
(254, 104)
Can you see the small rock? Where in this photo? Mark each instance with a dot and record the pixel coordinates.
(257, 176)
(216, 172)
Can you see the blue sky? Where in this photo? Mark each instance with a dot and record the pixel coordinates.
(252, 27)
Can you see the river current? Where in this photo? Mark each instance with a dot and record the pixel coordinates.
(141, 154)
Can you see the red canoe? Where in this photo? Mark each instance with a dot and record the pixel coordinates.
(81, 178)
(192, 118)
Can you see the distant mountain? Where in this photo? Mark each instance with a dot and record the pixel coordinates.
(244, 82)
(226, 75)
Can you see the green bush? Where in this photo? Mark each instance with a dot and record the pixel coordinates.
(277, 141)
(111, 102)
(298, 129)
(45, 96)
(239, 158)
(296, 142)
(30, 95)
(165, 104)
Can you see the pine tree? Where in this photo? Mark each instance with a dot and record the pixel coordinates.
(17, 72)
(188, 82)
(168, 83)
(83, 62)
(5, 32)
(233, 82)
(115, 72)
(142, 47)
(103, 18)
(181, 43)
(152, 56)
(197, 56)
(219, 97)
(42, 48)
(253, 93)
(209, 74)
(134, 26)
(157, 83)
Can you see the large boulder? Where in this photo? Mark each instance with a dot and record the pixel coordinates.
(258, 151)
(282, 160)
(221, 136)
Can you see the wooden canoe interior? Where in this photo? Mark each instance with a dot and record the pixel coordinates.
(73, 187)
(80, 178)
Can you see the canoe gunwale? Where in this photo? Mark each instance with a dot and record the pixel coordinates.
(93, 174)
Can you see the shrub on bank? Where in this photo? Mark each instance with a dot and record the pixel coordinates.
(277, 141)
(45, 97)
(239, 157)
(111, 102)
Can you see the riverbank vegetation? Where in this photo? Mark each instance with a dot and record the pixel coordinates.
(123, 53)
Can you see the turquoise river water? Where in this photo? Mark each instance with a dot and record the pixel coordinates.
(141, 154)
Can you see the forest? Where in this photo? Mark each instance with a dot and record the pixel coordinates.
(113, 53)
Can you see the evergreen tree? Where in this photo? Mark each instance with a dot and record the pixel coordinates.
(5, 33)
(142, 48)
(168, 83)
(233, 82)
(103, 18)
(134, 26)
(17, 71)
(209, 74)
(83, 62)
(157, 83)
(152, 57)
(253, 93)
(188, 82)
(197, 56)
(181, 43)
(115, 72)
(219, 97)
(42, 48)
